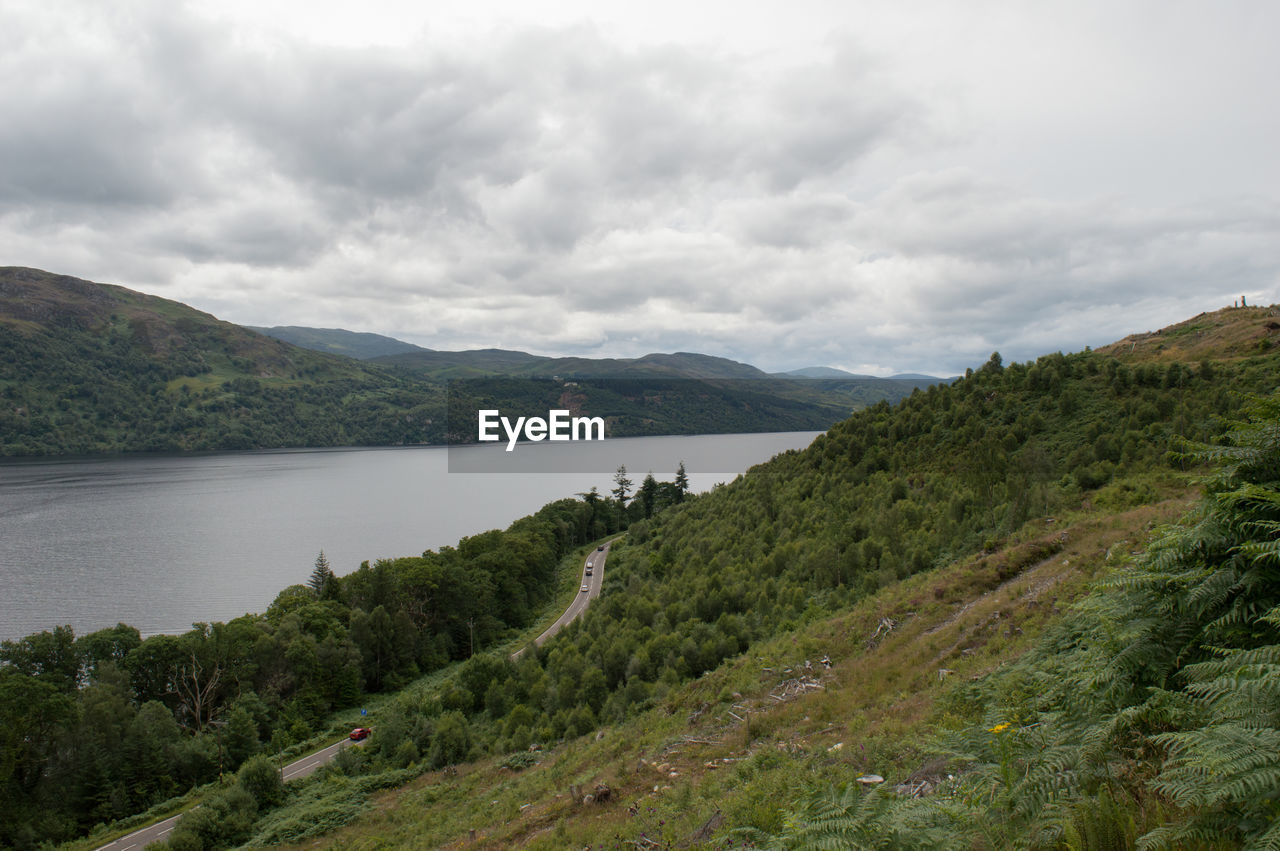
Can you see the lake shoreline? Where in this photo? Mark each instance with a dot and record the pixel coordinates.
(96, 540)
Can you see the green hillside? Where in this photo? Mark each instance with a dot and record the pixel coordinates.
(489, 362)
(953, 622)
(958, 621)
(338, 341)
(90, 368)
(921, 549)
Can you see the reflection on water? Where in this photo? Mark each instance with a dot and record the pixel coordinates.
(161, 542)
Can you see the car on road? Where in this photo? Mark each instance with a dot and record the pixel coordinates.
(586, 587)
(359, 733)
(588, 570)
(600, 548)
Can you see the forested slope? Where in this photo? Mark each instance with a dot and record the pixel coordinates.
(91, 368)
(87, 368)
(97, 727)
(925, 509)
(983, 466)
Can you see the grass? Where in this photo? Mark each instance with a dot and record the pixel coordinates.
(737, 743)
(1227, 334)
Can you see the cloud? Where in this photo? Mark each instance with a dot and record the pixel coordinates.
(561, 190)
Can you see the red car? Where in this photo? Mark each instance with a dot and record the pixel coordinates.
(359, 733)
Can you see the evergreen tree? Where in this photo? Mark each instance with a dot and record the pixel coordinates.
(321, 576)
(621, 486)
(239, 737)
(648, 495)
(682, 483)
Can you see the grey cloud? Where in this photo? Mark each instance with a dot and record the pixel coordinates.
(549, 189)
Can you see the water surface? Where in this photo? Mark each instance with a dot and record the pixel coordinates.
(161, 542)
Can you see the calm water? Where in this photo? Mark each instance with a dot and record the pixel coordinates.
(160, 542)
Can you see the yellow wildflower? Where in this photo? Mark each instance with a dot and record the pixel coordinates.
(999, 728)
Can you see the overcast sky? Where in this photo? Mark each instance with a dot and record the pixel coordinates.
(882, 187)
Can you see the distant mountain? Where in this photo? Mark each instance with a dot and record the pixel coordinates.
(821, 372)
(479, 363)
(89, 368)
(355, 344)
(915, 376)
(493, 362)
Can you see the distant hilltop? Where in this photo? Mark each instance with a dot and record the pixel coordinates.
(88, 368)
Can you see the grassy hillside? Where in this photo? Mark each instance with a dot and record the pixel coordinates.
(928, 552)
(1231, 333)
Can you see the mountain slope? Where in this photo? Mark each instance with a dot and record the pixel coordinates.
(338, 341)
(87, 368)
(1227, 334)
(490, 362)
(99, 368)
(909, 528)
(758, 650)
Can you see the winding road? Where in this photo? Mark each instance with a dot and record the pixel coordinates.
(160, 831)
(594, 582)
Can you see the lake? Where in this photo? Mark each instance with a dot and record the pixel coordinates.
(163, 541)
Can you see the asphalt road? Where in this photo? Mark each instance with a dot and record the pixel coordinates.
(297, 770)
(308, 764)
(594, 582)
(157, 832)
(160, 831)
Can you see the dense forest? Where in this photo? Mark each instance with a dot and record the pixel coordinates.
(891, 492)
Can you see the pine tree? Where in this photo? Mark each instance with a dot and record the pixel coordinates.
(621, 486)
(682, 483)
(648, 495)
(321, 576)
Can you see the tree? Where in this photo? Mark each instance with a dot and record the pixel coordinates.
(452, 740)
(47, 656)
(196, 684)
(111, 644)
(240, 736)
(260, 778)
(682, 483)
(621, 486)
(321, 576)
(32, 715)
(648, 495)
(592, 499)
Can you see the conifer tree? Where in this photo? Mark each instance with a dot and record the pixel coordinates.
(320, 576)
(682, 482)
(648, 495)
(621, 486)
